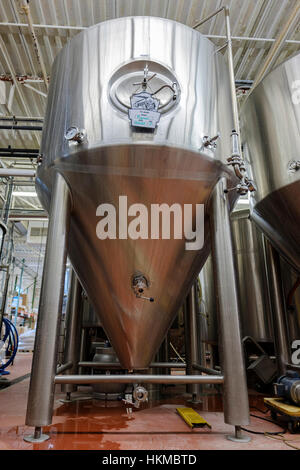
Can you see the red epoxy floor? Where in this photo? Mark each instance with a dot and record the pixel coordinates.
(96, 425)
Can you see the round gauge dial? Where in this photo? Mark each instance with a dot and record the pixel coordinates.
(71, 133)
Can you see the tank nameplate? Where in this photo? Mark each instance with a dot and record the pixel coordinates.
(144, 111)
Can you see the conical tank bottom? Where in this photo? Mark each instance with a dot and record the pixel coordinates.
(106, 268)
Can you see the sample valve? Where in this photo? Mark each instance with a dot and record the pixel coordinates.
(139, 284)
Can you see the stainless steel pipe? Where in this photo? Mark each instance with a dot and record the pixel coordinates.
(230, 60)
(277, 307)
(193, 343)
(64, 367)
(235, 393)
(206, 370)
(41, 390)
(73, 331)
(117, 365)
(133, 379)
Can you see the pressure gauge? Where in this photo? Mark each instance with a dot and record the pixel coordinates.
(75, 134)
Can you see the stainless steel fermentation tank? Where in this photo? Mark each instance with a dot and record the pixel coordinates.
(270, 130)
(92, 82)
(92, 154)
(248, 248)
(252, 284)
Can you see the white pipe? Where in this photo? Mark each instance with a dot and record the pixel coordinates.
(26, 9)
(13, 172)
(35, 90)
(277, 46)
(15, 80)
(81, 28)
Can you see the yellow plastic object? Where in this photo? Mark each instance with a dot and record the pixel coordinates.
(192, 418)
(280, 405)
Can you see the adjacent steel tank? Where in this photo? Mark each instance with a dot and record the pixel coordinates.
(248, 248)
(96, 137)
(252, 284)
(271, 137)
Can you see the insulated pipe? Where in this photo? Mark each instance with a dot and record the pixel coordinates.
(73, 329)
(26, 9)
(235, 393)
(41, 390)
(14, 172)
(133, 379)
(277, 46)
(277, 307)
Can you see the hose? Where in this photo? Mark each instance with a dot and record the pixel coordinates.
(10, 335)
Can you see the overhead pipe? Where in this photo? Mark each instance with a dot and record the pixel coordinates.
(30, 87)
(18, 155)
(21, 128)
(277, 46)
(16, 172)
(26, 9)
(235, 159)
(21, 119)
(15, 80)
(18, 150)
(81, 28)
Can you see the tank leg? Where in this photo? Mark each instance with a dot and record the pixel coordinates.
(73, 333)
(235, 393)
(278, 308)
(41, 390)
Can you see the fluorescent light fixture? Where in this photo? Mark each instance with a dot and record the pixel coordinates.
(24, 193)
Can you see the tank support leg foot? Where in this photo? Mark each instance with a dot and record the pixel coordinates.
(238, 436)
(37, 436)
